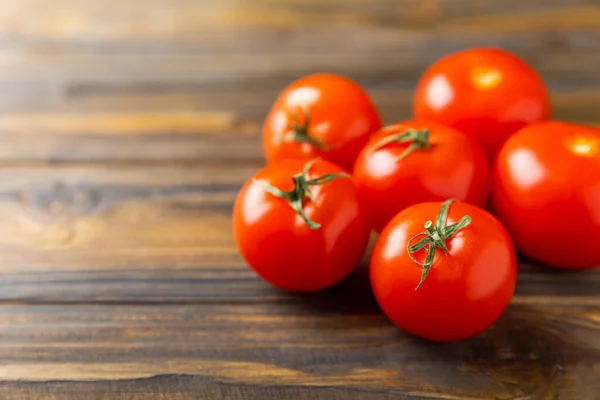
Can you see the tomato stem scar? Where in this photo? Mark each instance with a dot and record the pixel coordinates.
(300, 133)
(301, 190)
(435, 237)
(419, 139)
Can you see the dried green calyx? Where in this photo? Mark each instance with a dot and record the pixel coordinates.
(301, 190)
(299, 132)
(434, 237)
(418, 139)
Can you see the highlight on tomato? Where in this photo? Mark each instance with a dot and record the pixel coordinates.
(301, 225)
(323, 115)
(546, 191)
(487, 93)
(412, 162)
(445, 280)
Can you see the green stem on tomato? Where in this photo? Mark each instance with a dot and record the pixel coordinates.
(300, 133)
(301, 190)
(434, 237)
(418, 139)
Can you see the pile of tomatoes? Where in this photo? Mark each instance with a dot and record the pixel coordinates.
(479, 170)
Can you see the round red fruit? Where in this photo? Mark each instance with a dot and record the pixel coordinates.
(301, 225)
(443, 271)
(546, 190)
(413, 162)
(486, 93)
(324, 115)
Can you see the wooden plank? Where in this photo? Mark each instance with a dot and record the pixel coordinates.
(104, 21)
(191, 81)
(87, 48)
(275, 351)
(161, 234)
(179, 136)
(162, 128)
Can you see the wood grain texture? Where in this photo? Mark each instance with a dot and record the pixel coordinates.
(192, 80)
(157, 233)
(163, 127)
(245, 351)
(126, 129)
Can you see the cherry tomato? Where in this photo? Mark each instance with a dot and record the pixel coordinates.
(448, 281)
(546, 190)
(301, 224)
(412, 162)
(322, 115)
(486, 93)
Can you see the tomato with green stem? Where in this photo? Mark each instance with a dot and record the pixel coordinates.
(301, 225)
(486, 93)
(448, 280)
(412, 162)
(546, 190)
(325, 115)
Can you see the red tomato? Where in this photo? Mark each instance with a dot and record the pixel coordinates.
(322, 115)
(486, 93)
(301, 231)
(443, 295)
(546, 190)
(412, 162)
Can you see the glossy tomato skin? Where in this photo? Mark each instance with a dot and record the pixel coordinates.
(486, 93)
(277, 243)
(546, 190)
(465, 291)
(342, 116)
(453, 166)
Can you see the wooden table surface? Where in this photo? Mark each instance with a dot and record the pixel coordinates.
(126, 129)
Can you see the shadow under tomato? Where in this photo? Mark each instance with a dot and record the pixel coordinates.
(530, 352)
(352, 295)
(535, 279)
(526, 352)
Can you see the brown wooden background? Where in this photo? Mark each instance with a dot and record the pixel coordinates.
(126, 128)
